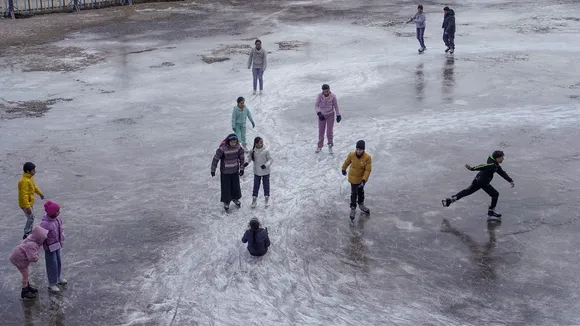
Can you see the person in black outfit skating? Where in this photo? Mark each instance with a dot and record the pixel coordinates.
(482, 181)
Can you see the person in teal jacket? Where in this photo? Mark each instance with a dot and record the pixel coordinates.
(239, 116)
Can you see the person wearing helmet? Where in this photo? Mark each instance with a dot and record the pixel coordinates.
(326, 106)
(482, 181)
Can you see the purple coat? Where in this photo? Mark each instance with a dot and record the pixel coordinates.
(27, 251)
(231, 159)
(327, 105)
(55, 238)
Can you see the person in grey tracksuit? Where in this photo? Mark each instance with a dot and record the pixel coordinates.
(419, 20)
(258, 61)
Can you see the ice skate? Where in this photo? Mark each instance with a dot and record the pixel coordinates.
(318, 149)
(261, 92)
(62, 281)
(352, 213)
(237, 203)
(53, 289)
(226, 207)
(421, 50)
(266, 199)
(254, 202)
(447, 50)
(448, 201)
(364, 209)
(451, 51)
(330, 149)
(493, 216)
(254, 92)
(27, 294)
(31, 289)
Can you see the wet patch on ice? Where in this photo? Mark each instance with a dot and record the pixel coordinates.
(124, 121)
(27, 109)
(404, 34)
(291, 45)
(224, 52)
(142, 51)
(164, 64)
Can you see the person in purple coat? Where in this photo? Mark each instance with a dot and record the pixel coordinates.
(230, 155)
(326, 105)
(52, 245)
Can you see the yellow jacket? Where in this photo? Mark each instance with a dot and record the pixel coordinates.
(360, 168)
(26, 190)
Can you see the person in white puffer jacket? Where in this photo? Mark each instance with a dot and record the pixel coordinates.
(262, 161)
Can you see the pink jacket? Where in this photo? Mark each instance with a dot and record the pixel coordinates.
(326, 104)
(27, 251)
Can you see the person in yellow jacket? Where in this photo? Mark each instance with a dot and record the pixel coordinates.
(26, 190)
(360, 164)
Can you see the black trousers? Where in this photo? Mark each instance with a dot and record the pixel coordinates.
(230, 187)
(357, 195)
(475, 186)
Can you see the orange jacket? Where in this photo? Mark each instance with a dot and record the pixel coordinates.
(26, 190)
(360, 168)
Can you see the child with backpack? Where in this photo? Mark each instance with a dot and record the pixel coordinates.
(260, 155)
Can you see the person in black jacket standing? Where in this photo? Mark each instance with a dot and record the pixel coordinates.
(482, 181)
(449, 29)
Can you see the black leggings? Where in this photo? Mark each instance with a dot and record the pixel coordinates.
(488, 188)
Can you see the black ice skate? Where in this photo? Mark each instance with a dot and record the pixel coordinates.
(352, 214)
(237, 203)
(447, 50)
(493, 216)
(226, 207)
(26, 294)
(364, 209)
(448, 201)
(31, 289)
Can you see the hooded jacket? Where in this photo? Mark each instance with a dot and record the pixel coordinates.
(487, 170)
(419, 19)
(258, 241)
(360, 167)
(449, 22)
(327, 105)
(26, 190)
(261, 157)
(258, 58)
(231, 159)
(55, 237)
(27, 251)
(239, 117)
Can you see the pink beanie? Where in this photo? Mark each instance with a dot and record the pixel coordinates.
(51, 208)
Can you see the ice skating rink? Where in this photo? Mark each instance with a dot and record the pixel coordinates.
(123, 125)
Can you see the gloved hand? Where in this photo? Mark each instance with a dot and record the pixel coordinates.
(343, 172)
(241, 173)
(321, 117)
(253, 125)
(338, 118)
(513, 184)
(263, 166)
(362, 184)
(213, 174)
(246, 164)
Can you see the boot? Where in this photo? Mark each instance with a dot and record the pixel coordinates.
(227, 206)
(237, 203)
(352, 213)
(266, 199)
(254, 202)
(330, 149)
(31, 289)
(318, 149)
(364, 209)
(26, 294)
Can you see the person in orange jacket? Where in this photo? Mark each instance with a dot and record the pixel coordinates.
(26, 190)
(360, 164)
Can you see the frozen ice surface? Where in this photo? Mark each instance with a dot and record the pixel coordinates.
(147, 243)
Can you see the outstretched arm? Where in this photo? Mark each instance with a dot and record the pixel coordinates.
(481, 167)
(504, 175)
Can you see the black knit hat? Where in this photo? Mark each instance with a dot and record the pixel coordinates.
(497, 154)
(446, 9)
(360, 144)
(420, 7)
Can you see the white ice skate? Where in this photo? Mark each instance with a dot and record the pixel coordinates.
(254, 202)
(266, 199)
(318, 149)
(261, 92)
(62, 281)
(330, 149)
(352, 213)
(53, 289)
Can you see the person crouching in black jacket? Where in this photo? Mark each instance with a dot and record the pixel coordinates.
(482, 181)
(257, 238)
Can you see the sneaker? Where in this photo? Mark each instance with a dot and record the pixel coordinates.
(330, 149)
(266, 199)
(352, 213)
(364, 209)
(318, 149)
(237, 203)
(26, 294)
(62, 281)
(451, 51)
(31, 289)
(254, 202)
(54, 289)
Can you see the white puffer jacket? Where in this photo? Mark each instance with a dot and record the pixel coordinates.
(261, 157)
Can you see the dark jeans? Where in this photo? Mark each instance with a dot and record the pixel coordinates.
(489, 189)
(449, 40)
(230, 187)
(266, 180)
(357, 195)
(420, 33)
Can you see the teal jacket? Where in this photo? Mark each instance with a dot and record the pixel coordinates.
(239, 117)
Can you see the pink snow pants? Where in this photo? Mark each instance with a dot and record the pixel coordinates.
(24, 272)
(328, 125)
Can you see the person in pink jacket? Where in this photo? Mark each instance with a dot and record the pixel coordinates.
(52, 245)
(326, 105)
(24, 254)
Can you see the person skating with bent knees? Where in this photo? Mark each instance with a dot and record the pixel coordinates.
(360, 163)
(230, 155)
(260, 155)
(257, 238)
(24, 254)
(54, 242)
(482, 181)
(326, 105)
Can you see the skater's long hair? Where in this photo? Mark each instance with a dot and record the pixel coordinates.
(254, 226)
(256, 141)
